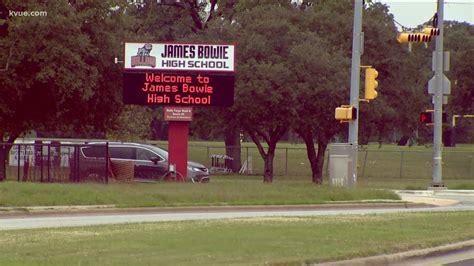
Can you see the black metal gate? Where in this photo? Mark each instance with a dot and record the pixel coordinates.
(53, 162)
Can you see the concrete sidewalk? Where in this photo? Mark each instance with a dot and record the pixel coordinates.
(438, 192)
(429, 200)
(438, 197)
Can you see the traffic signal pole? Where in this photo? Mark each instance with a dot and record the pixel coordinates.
(355, 84)
(437, 180)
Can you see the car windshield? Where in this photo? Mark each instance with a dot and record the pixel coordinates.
(162, 152)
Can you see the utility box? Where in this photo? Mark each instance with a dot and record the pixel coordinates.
(341, 159)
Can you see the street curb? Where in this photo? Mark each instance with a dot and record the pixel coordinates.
(441, 192)
(430, 200)
(402, 257)
(111, 209)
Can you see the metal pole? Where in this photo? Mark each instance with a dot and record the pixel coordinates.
(107, 160)
(355, 81)
(49, 162)
(41, 166)
(286, 162)
(438, 102)
(401, 165)
(18, 165)
(365, 163)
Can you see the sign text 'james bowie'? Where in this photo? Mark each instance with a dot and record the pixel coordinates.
(191, 89)
(172, 51)
(190, 51)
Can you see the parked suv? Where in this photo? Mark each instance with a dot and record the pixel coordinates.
(150, 161)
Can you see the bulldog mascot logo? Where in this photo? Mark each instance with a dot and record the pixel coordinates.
(143, 57)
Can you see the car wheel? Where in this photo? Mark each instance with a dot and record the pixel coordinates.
(204, 179)
(91, 175)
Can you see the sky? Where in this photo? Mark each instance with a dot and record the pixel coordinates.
(411, 13)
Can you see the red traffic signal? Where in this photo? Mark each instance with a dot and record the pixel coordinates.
(428, 117)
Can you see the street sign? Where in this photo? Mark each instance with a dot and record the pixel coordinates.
(446, 86)
(178, 113)
(445, 99)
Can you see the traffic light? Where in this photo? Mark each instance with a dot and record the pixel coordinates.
(427, 117)
(3, 20)
(431, 31)
(371, 83)
(405, 37)
(346, 113)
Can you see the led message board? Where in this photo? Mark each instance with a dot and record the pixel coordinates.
(178, 89)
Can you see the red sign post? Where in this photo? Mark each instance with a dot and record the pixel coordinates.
(178, 118)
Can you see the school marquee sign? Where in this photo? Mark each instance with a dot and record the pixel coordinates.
(179, 74)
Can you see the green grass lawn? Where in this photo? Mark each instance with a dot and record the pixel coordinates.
(221, 191)
(389, 167)
(251, 241)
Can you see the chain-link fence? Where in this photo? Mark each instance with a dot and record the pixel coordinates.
(54, 162)
(371, 163)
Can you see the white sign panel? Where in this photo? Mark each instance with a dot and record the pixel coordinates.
(179, 56)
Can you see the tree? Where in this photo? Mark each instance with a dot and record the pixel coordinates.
(59, 77)
(321, 66)
(265, 82)
(322, 86)
(459, 40)
(218, 122)
(60, 68)
(132, 124)
(402, 79)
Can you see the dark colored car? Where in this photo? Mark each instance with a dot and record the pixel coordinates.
(150, 162)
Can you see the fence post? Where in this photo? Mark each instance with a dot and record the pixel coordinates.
(76, 159)
(3, 161)
(401, 165)
(472, 165)
(107, 162)
(41, 161)
(18, 162)
(328, 152)
(26, 164)
(365, 163)
(49, 163)
(247, 153)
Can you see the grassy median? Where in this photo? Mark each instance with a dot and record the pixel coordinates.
(252, 241)
(221, 191)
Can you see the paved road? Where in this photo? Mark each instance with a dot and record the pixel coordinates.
(85, 219)
(445, 201)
